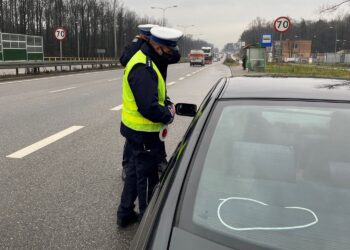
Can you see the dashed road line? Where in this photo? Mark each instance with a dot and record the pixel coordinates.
(171, 83)
(29, 80)
(61, 90)
(188, 75)
(43, 143)
(114, 79)
(181, 78)
(52, 77)
(117, 108)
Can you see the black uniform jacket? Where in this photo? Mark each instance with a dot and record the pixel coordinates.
(143, 81)
(130, 50)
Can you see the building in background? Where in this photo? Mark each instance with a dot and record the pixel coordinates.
(296, 50)
(292, 50)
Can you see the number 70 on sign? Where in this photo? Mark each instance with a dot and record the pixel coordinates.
(60, 33)
(282, 24)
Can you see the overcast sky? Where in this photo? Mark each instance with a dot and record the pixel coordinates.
(222, 21)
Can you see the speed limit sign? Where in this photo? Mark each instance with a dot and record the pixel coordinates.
(282, 24)
(60, 33)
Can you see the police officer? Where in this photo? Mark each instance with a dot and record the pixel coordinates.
(144, 114)
(128, 53)
(142, 37)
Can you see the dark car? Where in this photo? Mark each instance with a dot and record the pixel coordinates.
(265, 164)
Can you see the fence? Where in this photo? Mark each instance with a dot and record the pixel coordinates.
(333, 58)
(36, 66)
(78, 58)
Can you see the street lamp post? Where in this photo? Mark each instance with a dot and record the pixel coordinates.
(314, 46)
(184, 42)
(164, 9)
(296, 52)
(78, 28)
(336, 38)
(124, 40)
(115, 28)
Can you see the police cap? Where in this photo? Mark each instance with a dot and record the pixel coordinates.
(145, 28)
(165, 36)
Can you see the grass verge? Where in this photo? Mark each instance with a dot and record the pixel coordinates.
(307, 71)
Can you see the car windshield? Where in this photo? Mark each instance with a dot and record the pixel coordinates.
(273, 174)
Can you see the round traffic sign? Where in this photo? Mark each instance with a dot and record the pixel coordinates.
(282, 24)
(60, 33)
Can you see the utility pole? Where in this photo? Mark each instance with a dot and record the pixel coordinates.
(336, 38)
(78, 29)
(115, 28)
(184, 40)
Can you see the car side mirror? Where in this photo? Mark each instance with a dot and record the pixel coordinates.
(186, 109)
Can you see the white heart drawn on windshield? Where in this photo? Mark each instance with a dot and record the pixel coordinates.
(264, 228)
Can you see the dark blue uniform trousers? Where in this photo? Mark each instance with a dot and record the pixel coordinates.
(140, 161)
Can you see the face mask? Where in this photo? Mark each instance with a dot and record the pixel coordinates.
(172, 58)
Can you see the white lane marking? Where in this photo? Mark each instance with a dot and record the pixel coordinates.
(114, 79)
(29, 80)
(60, 90)
(171, 83)
(52, 77)
(119, 107)
(43, 143)
(181, 78)
(188, 75)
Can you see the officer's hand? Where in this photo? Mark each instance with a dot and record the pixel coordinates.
(167, 101)
(172, 112)
(172, 109)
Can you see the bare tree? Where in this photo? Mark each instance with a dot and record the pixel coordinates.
(333, 7)
(93, 19)
(323, 38)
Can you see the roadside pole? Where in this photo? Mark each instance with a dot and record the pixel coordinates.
(266, 42)
(61, 53)
(281, 48)
(281, 24)
(60, 34)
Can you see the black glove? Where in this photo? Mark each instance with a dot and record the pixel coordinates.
(171, 108)
(167, 101)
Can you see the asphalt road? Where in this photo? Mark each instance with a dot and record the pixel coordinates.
(60, 156)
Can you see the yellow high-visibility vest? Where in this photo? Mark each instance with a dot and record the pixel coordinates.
(131, 117)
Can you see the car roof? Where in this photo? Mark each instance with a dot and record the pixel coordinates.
(285, 87)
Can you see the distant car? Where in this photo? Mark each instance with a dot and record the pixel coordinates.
(265, 164)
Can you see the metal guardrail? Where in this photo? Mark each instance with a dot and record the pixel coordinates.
(44, 64)
(51, 58)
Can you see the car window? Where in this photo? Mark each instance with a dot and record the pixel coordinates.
(272, 174)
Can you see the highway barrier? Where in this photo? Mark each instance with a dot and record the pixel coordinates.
(36, 66)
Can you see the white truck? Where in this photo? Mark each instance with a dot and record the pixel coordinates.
(197, 57)
(208, 55)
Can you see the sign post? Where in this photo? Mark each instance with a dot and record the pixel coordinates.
(60, 35)
(282, 24)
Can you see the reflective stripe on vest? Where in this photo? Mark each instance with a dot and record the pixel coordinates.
(130, 115)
